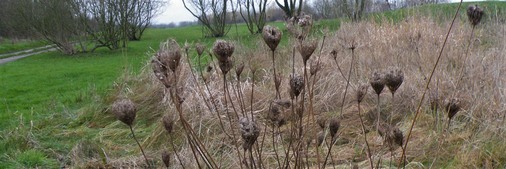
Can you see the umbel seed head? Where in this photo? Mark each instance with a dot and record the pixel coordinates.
(361, 92)
(124, 110)
(377, 82)
(166, 158)
(393, 79)
(474, 14)
(249, 132)
(452, 107)
(296, 85)
(200, 49)
(306, 49)
(272, 36)
(170, 54)
(223, 50)
(275, 111)
(238, 69)
(168, 123)
(334, 125)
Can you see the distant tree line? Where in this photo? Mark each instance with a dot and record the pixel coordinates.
(78, 25)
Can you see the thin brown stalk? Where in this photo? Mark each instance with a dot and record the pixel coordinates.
(278, 95)
(175, 152)
(348, 79)
(311, 96)
(229, 119)
(274, 146)
(369, 155)
(212, 101)
(137, 141)
(403, 156)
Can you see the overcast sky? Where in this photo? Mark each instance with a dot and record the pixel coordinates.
(175, 12)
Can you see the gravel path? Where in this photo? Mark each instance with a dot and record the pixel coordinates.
(22, 54)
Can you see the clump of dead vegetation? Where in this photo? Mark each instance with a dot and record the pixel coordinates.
(295, 114)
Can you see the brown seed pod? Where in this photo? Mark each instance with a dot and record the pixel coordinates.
(200, 49)
(168, 123)
(322, 122)
(124, 110)
(393, 79)
(315, 67)
(296, 85)
(452, 107)
(474, 14)
(334, 125)
(276, 108)
(361, 92)
(238, 69)
(223, 50)
(166, 158)
(272, 36)
(398, 136)
(169, 54)
(306, 49)
(334, 54)
(377, 82)
(249, 132)
(225, 66)
(320, 139)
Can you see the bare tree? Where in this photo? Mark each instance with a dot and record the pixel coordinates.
(254, 14)
(327, 9)
(354, 9)
(211, 13)
(291, 7)
(52, 19)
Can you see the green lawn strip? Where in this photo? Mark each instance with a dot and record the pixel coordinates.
(7, 46)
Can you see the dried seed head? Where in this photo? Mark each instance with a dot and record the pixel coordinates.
(223, 50)
(377, 82)
(225, 66)
(166, 158)
(474, 14)
(305, 21)
(452, 107)
(393, 79)
(238, 69)
(272, 36)
(334, 54)
(124, 110)
(276, 108)
(398, 136)
(315, 67)
(296, 85)
(334, 125)
(306, 49)
(200, 49)
(321, 137)
(169, 54)
(249, 132)
(361, 92)
(322, 122)
(160, 71)
(168, 123)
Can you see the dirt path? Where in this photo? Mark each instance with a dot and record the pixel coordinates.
(25, 53)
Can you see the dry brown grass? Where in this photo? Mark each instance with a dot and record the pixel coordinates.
(475, 139)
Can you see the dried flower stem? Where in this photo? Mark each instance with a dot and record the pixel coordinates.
(175, 152)
(229, 119)
(369, 155)
(403, 156)
(278, 95)
(212, 101)
(348, 79)
(137, 141)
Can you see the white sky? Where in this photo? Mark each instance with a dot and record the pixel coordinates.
(175, 12)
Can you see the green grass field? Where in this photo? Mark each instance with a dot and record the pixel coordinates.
(42, 97)
(7, 45)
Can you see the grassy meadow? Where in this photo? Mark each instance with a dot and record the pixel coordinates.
(55, 109)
